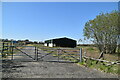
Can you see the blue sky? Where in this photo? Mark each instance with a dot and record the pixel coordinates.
(38, 21)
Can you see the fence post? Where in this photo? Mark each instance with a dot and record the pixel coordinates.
(7, 49)
(35, 53)
(11, 45)
(80, 54)
(58, 54)
(84, 53)
(12, 52)
(10, 49)
(2, 49)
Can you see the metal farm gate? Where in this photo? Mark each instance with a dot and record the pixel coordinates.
(24, 53)
(9, 51)
(71, 55)
(32, 53)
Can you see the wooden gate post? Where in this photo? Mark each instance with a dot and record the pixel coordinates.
(80, 54)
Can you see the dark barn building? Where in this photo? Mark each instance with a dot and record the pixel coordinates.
(61, 42)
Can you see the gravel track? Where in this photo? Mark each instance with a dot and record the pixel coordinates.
(29, 68)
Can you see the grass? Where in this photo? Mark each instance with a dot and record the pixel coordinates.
(90, 49)
(94, 53)
(114, 69)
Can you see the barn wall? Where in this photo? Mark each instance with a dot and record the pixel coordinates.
(61, 42)
(64, 42)
(45, 44)
(50, 44)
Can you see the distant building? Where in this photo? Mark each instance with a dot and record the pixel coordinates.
(61, 42)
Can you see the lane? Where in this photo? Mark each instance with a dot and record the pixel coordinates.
(42, 69)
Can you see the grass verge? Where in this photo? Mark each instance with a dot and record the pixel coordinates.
(102, 66)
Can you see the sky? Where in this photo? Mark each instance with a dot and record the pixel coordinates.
(39, 21)
(60, 0)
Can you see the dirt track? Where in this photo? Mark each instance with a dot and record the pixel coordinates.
(41, 69)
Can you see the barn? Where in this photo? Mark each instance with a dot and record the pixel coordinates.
(61, 42)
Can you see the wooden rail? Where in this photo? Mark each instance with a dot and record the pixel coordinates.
(111, 63)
